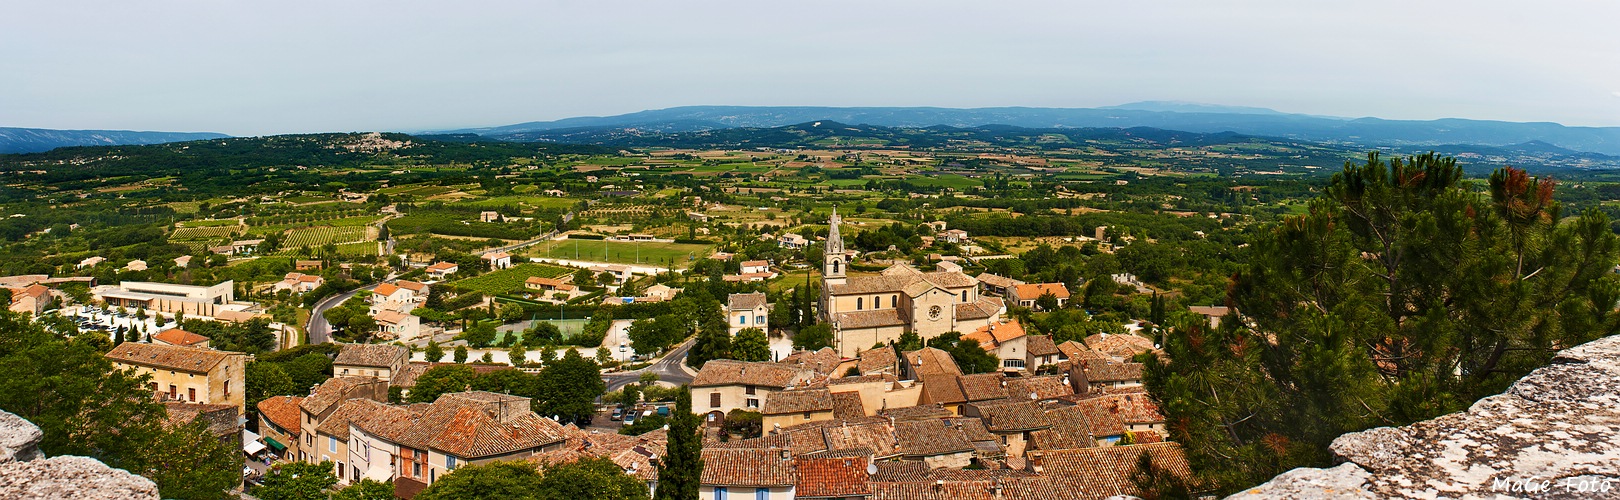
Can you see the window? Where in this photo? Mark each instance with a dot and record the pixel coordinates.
(759, 320)
(154, 387)
(416, 469)
(762, 493)
(227, 389)
(964, 295)
(345, 371)
(1012, 363)
(753, 403)
(340, 470)
(172, 391)
(450, 462)
(742, 320)
(748, 389)
(331, 444)
(714, 400)
(894, 301)
(719, 493)
(859, 302)
(807, 415)
(877, 301)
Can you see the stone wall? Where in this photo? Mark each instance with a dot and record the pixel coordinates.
(1554, 434)
(26, 473)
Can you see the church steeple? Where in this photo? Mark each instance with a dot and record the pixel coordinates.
(834, 259)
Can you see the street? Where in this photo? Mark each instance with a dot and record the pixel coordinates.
(320, 331)
(668, 368)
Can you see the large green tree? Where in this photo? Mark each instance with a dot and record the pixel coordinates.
(751, 344)
(295, 481)
(1405, 292)
(680, 471)
(441, 380)
(570, 387)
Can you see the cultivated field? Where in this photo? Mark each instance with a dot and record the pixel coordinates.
(507, 281)
(620, 252)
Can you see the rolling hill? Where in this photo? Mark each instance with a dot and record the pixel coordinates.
(33, 140)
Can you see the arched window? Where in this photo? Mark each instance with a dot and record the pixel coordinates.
(835, 266)
(859, 302)
(877, 301)
(894, 301)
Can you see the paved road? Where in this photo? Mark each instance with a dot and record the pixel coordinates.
(516, 246)
(667, 367)
(320, 331)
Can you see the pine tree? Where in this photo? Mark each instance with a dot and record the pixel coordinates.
(681, 469)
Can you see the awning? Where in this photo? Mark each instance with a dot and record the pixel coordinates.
(275, 445)
(250, 443)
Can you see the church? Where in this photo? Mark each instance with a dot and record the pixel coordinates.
(869, 310)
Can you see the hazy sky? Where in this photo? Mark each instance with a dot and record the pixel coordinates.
(250, 68)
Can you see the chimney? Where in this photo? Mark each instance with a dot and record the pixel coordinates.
(786, 455)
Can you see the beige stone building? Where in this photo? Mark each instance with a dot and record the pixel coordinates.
(724, 385)
(868, 310)
(381, 361)
(189, 374)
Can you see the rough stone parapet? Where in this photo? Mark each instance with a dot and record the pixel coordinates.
(1554, 434)
(25, 473)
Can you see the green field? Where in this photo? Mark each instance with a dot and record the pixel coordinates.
(536, 201)
(321, 235)
(204, 233)
(508, 281)
(620, 252)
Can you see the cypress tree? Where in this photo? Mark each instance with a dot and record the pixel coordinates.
(681, 469)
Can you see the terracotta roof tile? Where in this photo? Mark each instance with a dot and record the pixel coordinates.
(876, 436)
(176, 336)
(879, 360)
(1043, 387)
(931, 361)
(282, 411)
(765, 374)
(1113, 372)
(846, 405)
(1035, 290)
(942, 389)
(822, 361)
(1095, 473)
(797, 401)
(998, 281)
(373, 355)
(1069, 430)
(924, 438)
(168, 357)
(983, 308)
(1101, 419)
(919, 412)
(747, 467)
(984, 386)
(1122, 345)
(831, 476)
(1041, 345)
(855, 320)
(745, 301)
(1012, 416)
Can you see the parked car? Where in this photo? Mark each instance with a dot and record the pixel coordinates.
(618, 414)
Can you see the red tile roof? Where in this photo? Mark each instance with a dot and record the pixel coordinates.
(282, 411)
(1095, 473)
(797, 401)
(176, 336)
(831, 476)
(764, 374)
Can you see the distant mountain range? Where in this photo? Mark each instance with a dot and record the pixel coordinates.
(33, 140)
(1188, 117)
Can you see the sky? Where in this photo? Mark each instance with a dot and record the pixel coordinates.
(259, 68)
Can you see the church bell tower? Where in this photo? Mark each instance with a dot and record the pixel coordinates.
(834, 261)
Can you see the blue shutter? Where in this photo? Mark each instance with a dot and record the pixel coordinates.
(719, 493)
(762, 493)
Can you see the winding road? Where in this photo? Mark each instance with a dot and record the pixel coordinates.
(668, 367)
(320, 331)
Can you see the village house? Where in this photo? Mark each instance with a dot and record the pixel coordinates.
(308, 265)
(278, 424)
(1006, 340)
(792, 241)
(1010, 420)
(299, 283)
(997, 284)
(547, 285)
(442, 270)
(1026, 295)
(747, 310)
(724, 385)
(90, 262)
(747, 473)
(182, 262)
(190, 374)
(322, 404)
(414, 446)
(380, 361)
(954, 236)
(498, 260)
(33, 299)
(756, 266)
(400, 296)
(788, 408)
